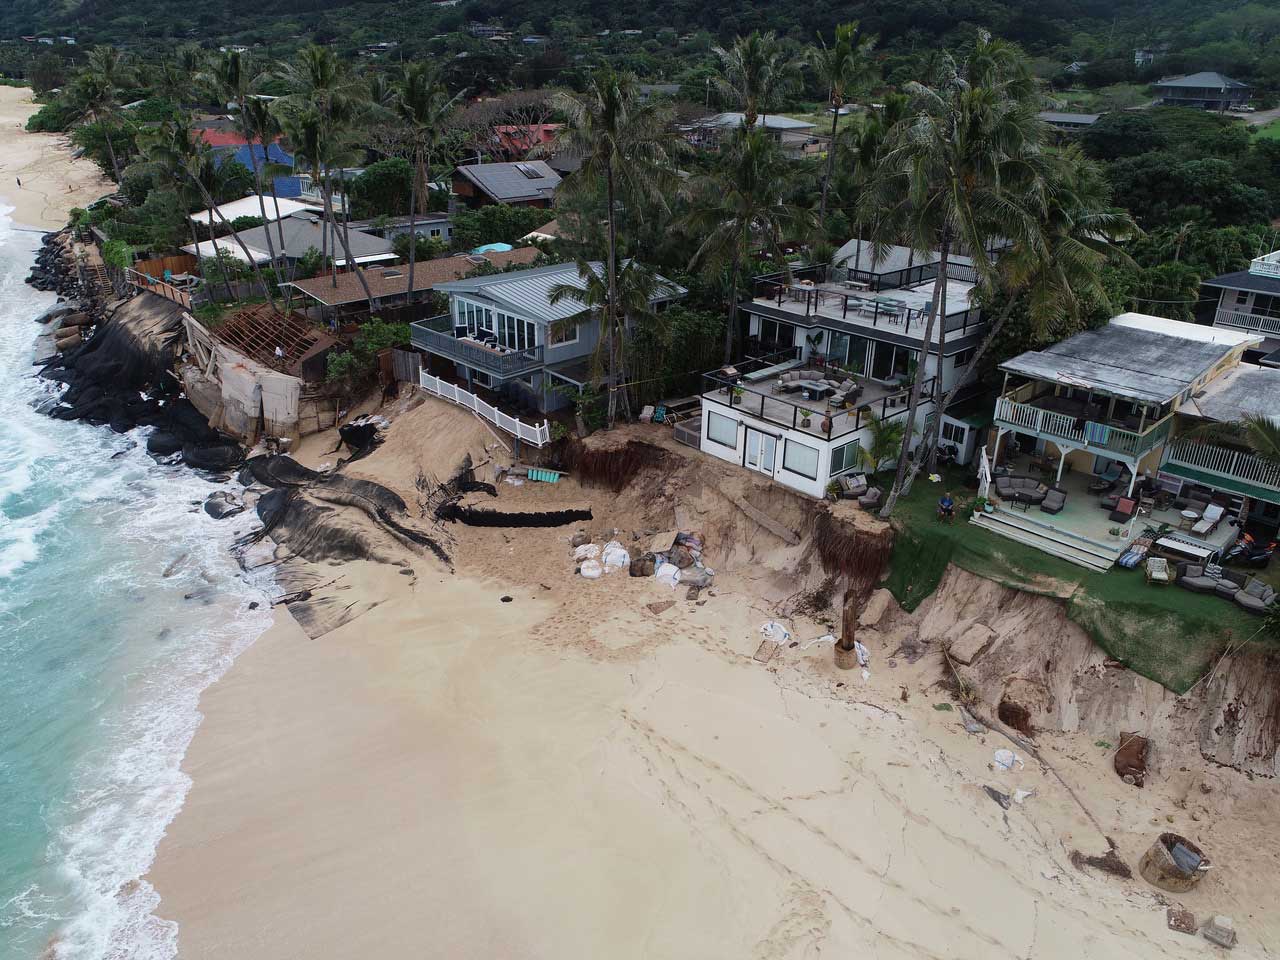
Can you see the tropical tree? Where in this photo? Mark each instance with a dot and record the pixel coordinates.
(625, 147)
(424, 105)
(96, 92)
(230, 78)
(884, 442)
(632, 296)
(738, 208)
(755, 72)
(969, 155)
(1059, 275)
(842, 68)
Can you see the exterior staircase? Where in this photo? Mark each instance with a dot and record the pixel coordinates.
(1027, 529)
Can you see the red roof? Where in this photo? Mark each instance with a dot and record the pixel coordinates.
(225, 138)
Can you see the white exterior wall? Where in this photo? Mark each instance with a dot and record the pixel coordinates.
(811, 487)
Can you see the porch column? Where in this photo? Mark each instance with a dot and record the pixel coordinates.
(995, 456)
(1133, 477)
(1062, 459)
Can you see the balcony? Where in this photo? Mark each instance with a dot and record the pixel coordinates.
(1266, 266)
(1253, 322)
(1236, 470)
(436, 335)
(1078, 431)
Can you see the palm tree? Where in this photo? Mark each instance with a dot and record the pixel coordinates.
(969, 154)
(97, 92)
(739, 208)
(425, 106)
(755, 72)
(885, 441)
(842, 68)
(1059, 276)
(636, 288)
(231, 79)
(260, 124)
(625, 146)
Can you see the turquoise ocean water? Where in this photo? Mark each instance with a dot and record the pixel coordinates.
(119, 603)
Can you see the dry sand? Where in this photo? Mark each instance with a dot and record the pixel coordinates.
(569, 774)
(52, 183)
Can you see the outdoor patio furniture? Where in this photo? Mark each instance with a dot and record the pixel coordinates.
(852, 486)
(1054, 500)
(1107, 479)
(1230, 583)
(1021, 489)
(1255, 596)
(1124, 510)
(1209, 522)
(1192, 577)
(1157, 569)
(871, 499)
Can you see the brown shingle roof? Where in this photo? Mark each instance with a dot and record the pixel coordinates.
(389, 282)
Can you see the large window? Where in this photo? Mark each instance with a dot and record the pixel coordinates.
(1266, 306)
(776, 333)
(560, 335)
(722, 429)
(845, 458)
(954, 433)
(799, 459)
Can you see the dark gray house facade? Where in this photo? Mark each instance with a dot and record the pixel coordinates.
(1207, 90)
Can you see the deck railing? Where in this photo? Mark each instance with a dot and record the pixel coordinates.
(537, 434)
(435, 335)
(1238, 464)
(1241, 320)
(1078, 431)
(1266, 266)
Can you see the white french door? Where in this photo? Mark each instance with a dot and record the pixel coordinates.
(762, 450)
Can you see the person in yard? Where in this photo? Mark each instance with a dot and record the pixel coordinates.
(946, 507)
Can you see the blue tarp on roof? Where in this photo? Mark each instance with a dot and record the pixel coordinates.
(274, 154)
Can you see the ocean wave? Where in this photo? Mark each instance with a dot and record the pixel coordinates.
(100, 549)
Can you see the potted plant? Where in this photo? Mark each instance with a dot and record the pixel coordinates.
(736, 395)
(833, 490)
(826, 421)
(805, 416)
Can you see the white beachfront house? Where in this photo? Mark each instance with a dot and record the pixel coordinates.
(841, 344)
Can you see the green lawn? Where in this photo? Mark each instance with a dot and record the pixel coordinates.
(1165, 633)
(1269, 132)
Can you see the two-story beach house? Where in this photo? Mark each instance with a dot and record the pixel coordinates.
(1113, 420)
(1249, 300)
(503, 333)
(832, 349)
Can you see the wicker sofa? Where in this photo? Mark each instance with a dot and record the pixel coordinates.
(1020, 489)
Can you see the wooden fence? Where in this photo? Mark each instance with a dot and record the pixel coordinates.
(539, 435)
(181, 263)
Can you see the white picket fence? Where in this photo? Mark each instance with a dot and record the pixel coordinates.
(539, 435)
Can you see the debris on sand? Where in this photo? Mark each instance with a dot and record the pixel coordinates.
(1182, 920)
(1109, 862)
(1173, 863)
(1131, 759)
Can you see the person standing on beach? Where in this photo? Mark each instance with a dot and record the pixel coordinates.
(19, 179)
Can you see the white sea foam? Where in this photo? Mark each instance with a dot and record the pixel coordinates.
(90, 902)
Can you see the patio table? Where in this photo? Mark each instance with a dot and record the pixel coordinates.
(1195, 551)
(1189, 518)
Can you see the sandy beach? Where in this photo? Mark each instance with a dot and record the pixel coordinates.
(52, 182)
(510, 761)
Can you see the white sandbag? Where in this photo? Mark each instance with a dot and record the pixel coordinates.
(775, 631)
(588, 551)
(615, 556)
(694, 577)
(669, 574)
(591, 569)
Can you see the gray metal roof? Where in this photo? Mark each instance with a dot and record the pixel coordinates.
(302, 232)
(1244, 280)
(1243, 389)
(1204, 80)
(528, 292)
(507, 182)
(1122, 361)
(1055, 116)
(770, 121)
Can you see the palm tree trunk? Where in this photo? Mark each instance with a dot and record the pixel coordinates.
(262, 205)
(326, 202)
(733, 305)
(275, 200)
(226, 283)
(413, 225)
(929, 446)
(916, 388)
(831, 163)
(111, 150)
(611, 308)
(346, 249)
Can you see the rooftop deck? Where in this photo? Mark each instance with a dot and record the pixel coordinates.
(754, 390)
(903, 312)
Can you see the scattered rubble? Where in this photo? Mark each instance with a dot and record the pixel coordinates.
(1220, 930)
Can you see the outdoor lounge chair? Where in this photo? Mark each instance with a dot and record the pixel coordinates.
(1107, 479)
(1124, 510)
(1158, 571)
(871, 499)
(1054, 500)
(852, 486)
(1209, 522)
(1255, 596)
